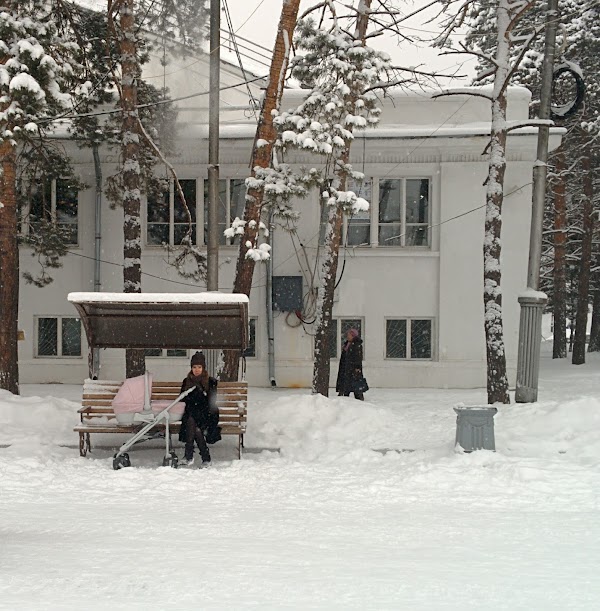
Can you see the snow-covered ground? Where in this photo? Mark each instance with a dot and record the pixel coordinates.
(326, 522)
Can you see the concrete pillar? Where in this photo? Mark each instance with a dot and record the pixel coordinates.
(530, 337)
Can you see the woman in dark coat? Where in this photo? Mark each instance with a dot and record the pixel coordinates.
(350, 369)
(201, 412)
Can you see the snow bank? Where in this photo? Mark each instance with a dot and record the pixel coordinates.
(313, 427)
(34, 423)
(306, 428)
(570, 428)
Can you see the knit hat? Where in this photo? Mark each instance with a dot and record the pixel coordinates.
(198, 359)
(353, 332)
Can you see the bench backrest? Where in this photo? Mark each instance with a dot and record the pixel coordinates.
(232, 397)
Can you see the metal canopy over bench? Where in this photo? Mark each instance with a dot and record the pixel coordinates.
(164, 320)
(209, 320)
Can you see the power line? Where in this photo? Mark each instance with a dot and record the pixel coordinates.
(251, 98)
(149, 104)
(250, 16)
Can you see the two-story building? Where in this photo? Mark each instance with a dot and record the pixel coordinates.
(411, 269)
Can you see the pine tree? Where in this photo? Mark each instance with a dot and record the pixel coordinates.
(179, 18)
(37, 62)
(339, 72)
(261, 161)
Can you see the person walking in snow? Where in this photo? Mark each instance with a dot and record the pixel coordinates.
(200, 421)
(350, 371)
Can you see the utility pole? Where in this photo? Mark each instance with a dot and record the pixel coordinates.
(533, 301)
(212, 282)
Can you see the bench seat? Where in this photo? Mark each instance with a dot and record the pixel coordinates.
(97, 416)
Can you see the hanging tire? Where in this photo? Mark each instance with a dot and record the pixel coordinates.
(120, 462)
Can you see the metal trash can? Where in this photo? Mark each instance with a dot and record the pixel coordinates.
(475, 428)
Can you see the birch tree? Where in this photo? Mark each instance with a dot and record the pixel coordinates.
(567, 227)
(513, 40)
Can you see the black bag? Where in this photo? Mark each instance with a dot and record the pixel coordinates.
(361, 385)
(213, 435)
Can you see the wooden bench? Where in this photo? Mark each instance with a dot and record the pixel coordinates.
(97, 416)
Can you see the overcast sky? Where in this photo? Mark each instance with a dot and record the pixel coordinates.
(257, 20)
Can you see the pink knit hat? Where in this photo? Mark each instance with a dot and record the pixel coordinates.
(353, 332)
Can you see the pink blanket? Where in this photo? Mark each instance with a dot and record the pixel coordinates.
(129, 400)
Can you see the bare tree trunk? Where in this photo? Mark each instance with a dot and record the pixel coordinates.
(559, 342)
(594, 345)
(497, 380)
(132, 249)
(583, 294)
(9, 271)
(261, 158)
(333, 239)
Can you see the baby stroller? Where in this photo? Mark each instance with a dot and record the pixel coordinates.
(132, 404)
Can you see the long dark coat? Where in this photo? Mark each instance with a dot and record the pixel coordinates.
(201, 405)
(350, 369)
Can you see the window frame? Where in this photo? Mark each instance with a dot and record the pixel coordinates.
(171, 223)
(26, 223)
(59, 337)
(201, 217)
(359, 188)
(223, 241)
(164, 354)
(252, 322)
(374, 223)
(409, 357)
(403, 206)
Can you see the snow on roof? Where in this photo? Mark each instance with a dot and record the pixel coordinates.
(207, 297)
(432, 130)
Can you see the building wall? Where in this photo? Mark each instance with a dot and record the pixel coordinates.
(443, 282)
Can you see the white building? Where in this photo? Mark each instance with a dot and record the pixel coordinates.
(410, 276)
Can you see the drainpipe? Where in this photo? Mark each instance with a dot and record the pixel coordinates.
(95, 365)
(212, 250)
(270, 320)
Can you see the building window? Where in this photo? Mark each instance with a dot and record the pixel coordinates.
(159, 352)
(54, 201)
(408, 338)
(399, 214)
(404, 212)
(167, 218)
(339, 328)
(232, 201)
(357, 228)
(58, 336)
(250, 351)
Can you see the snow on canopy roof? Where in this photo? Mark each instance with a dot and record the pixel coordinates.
(206, 297)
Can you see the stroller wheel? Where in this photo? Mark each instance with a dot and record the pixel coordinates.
(171, 461)
(120, 462)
